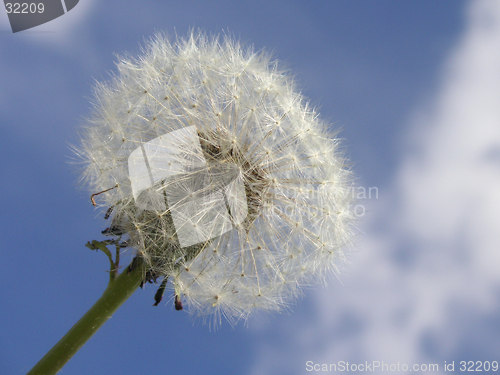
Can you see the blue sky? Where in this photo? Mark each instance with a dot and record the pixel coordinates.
(414, 88)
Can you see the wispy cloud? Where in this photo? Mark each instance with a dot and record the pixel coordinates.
(421, 285)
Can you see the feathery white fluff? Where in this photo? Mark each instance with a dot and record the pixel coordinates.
(226, 180)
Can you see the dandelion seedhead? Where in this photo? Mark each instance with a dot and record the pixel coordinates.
(219, 173)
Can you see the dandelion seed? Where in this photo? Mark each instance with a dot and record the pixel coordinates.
(226, 181)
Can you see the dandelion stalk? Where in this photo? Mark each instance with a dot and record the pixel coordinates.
(118, 291)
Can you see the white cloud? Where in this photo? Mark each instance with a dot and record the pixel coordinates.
(434, 268)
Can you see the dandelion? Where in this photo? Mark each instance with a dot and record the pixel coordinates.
(226, 181)
(218, 173)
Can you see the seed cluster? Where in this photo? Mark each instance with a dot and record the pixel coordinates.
(265, 205)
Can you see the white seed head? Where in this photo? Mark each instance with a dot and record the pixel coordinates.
(226, 180)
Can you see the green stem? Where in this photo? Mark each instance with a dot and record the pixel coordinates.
(117, 292)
